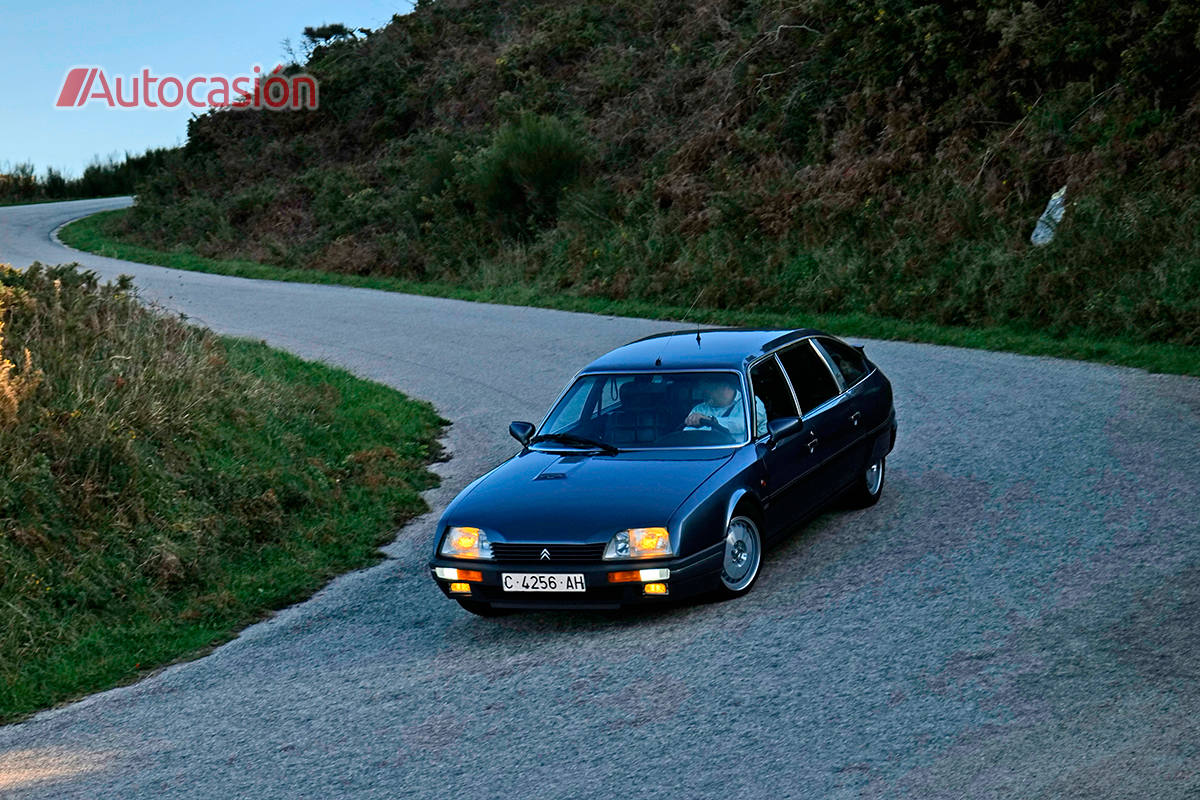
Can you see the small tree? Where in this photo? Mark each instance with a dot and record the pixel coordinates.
(54, 184)
(24, 181)
(325, 35)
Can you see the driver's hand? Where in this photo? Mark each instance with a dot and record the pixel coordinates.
(695, 420)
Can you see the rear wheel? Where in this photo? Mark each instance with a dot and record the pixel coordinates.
(483, 609)
(868, 487)
(743, 556)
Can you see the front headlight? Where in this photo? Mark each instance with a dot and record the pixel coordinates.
(640, 543)
(465, 542)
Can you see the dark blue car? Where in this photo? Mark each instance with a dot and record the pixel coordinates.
(652, 477)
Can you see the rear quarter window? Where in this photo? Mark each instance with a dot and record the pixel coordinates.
(810, 376)
(848, 360)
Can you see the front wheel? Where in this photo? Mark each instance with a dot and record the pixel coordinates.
(743, 557)
(868, 487)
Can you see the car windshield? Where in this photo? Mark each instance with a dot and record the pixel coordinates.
(649, 410)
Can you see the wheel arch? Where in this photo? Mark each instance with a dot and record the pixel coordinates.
(743, 498)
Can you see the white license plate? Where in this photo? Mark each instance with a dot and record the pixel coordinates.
(542, 582)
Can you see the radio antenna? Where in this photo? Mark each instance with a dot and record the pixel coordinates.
(689, 311)
(658, 360)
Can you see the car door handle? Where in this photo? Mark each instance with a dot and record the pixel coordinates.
(812, 444)
(855, 417)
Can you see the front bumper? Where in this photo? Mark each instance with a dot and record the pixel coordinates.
(690, 575)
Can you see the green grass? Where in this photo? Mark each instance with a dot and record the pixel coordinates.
(92, 234)
(161, 486)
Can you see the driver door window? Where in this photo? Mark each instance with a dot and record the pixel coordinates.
(771, 389)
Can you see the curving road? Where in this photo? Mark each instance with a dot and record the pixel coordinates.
(1018, 617)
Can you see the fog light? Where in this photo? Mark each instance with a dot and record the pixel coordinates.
(656, 588)
(462, 587)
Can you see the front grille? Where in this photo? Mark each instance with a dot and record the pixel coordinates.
(559, 553)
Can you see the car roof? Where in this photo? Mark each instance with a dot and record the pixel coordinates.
(714, 348)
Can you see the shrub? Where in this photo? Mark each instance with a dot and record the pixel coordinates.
(521, 176)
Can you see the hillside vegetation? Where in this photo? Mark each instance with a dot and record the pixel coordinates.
(160, 486)
(887, 158)
(20, 183)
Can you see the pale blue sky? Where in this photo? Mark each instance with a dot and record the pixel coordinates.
(41, 41)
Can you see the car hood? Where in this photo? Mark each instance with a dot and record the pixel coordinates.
(558, 497)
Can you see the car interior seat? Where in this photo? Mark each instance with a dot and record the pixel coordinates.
(639, 417)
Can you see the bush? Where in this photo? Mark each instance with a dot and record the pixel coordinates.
(521, 176)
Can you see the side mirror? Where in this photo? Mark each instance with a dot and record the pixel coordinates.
(521, 431)
(783, 428)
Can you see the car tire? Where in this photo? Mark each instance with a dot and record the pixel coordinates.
(742, 561)
(868, 486)
(483, 609)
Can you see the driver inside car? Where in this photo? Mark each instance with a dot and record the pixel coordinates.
(723, 410)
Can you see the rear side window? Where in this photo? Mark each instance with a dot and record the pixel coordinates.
(848, 360)
(811, 378)
(771, 390)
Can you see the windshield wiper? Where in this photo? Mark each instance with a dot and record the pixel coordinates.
(570, 438)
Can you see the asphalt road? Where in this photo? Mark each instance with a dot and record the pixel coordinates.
(1018, 617)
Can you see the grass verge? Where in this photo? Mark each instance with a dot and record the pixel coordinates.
(162, 486)
(94, 234)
